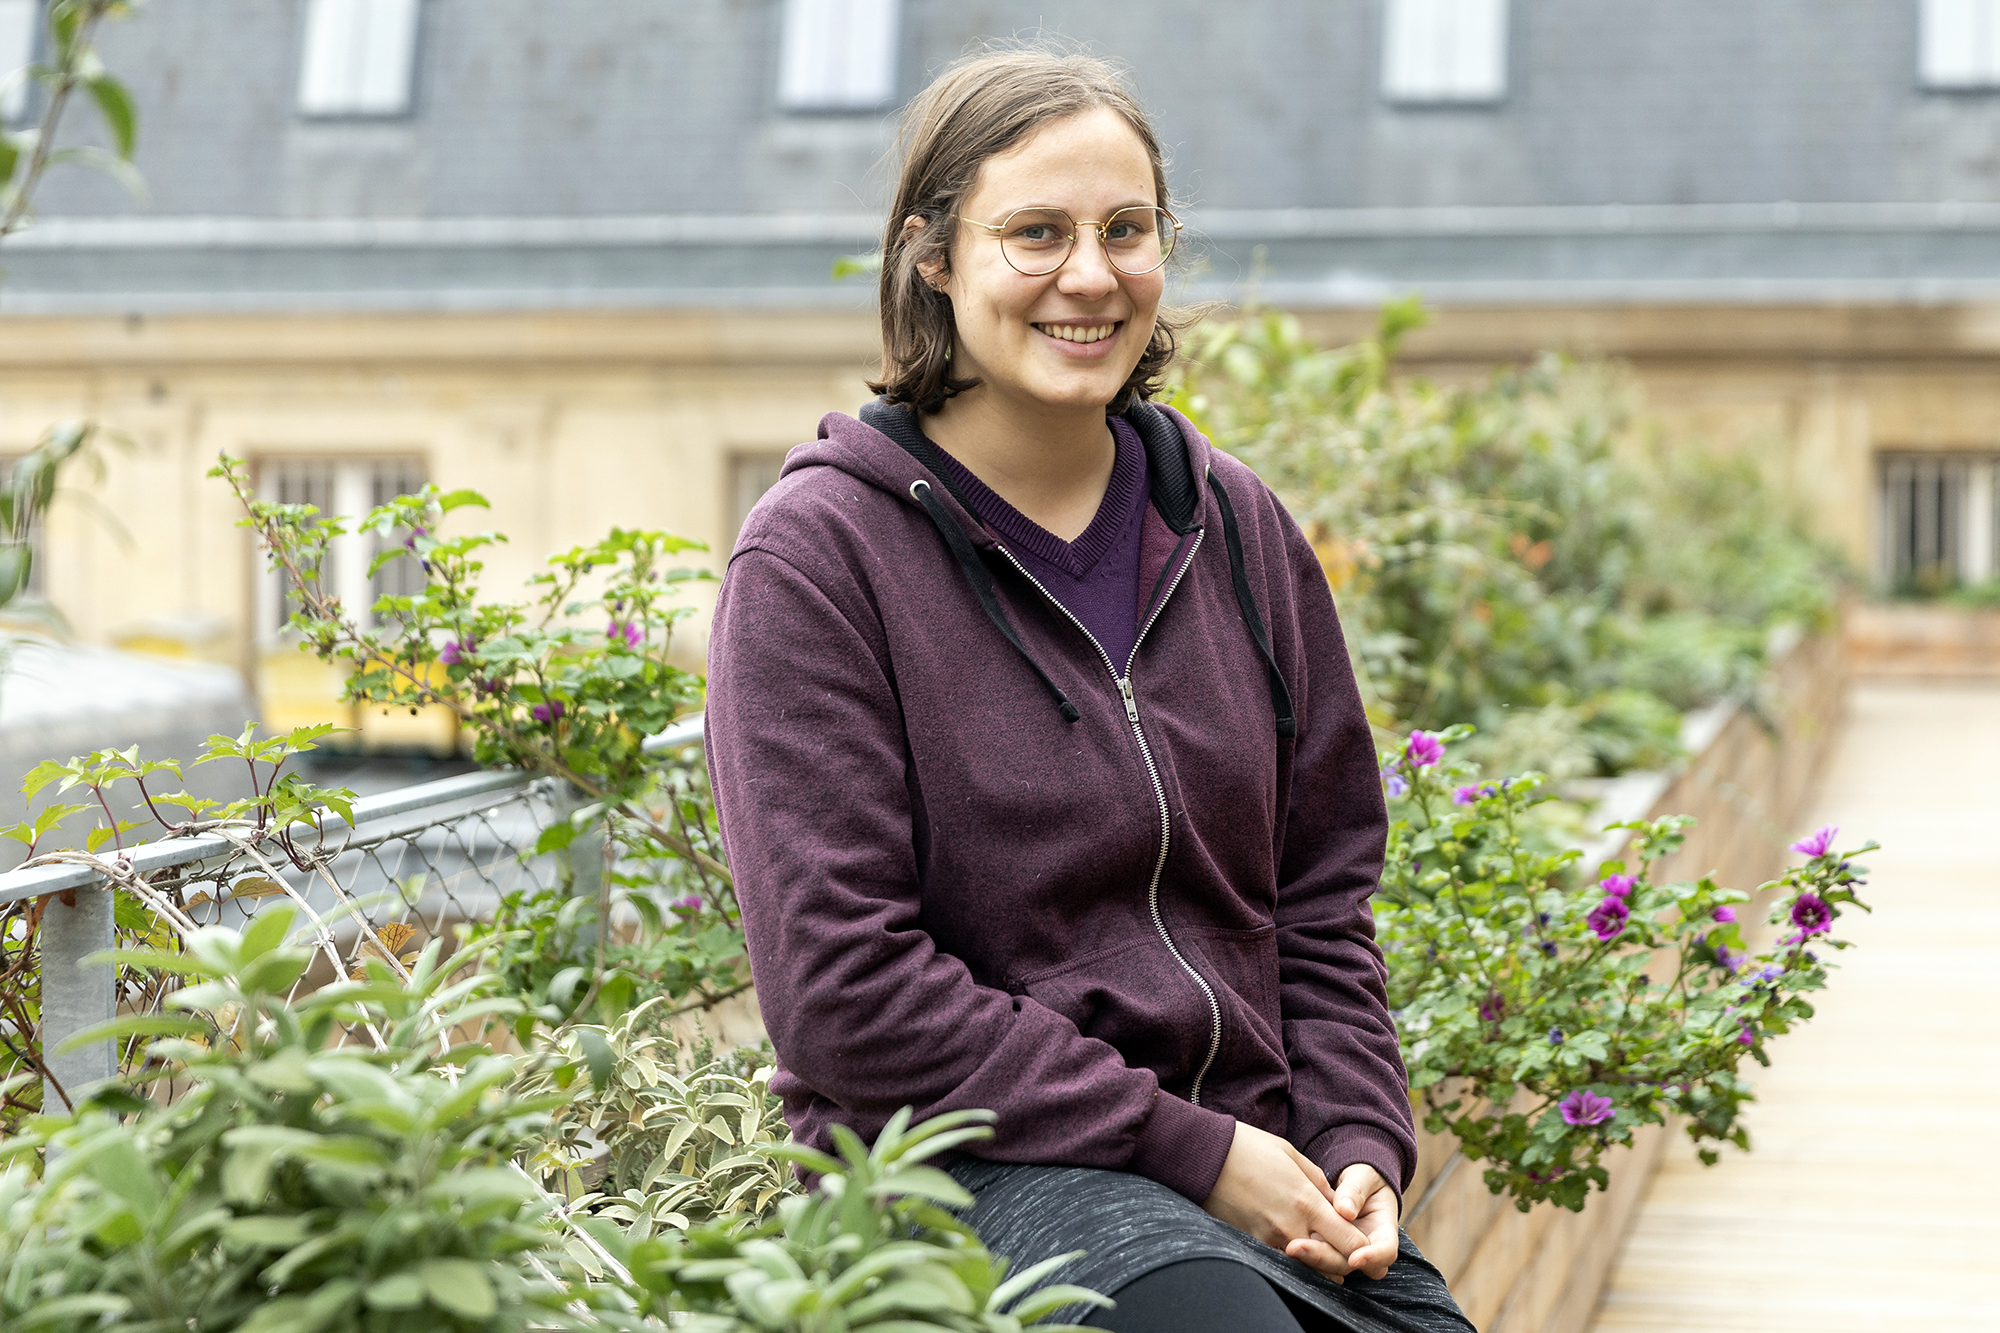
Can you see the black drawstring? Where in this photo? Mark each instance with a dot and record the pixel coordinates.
(1281, 697)
(981, 580)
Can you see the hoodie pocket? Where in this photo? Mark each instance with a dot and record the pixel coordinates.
(1134, 997)
(1245, 964)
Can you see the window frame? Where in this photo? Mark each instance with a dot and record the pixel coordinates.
(1413, 98)
(17, 98)
(354, 485)
(355, 110)
(821, 100)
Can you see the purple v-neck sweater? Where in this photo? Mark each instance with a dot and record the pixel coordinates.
(1095, 577)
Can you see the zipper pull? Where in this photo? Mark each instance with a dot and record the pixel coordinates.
(1125, 691)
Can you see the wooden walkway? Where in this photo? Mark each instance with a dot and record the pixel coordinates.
(1872, 1199)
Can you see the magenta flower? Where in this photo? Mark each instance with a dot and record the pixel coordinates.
(1811, 914)
(452, 653)
(691, 903)
(1618, 886)
(1729, 959)
(1493, 1007)
(1725, 914)
(1745, 1037)
(1424, 749)
(1608, 918)
(1584, 1107)
(626, 632)
(1465, 796)
(1819, 843)
(547, 712)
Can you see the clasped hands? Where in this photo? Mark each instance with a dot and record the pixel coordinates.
(1270, 1190)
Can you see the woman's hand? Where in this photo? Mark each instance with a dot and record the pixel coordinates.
(1366, 1200)
(1271, 1191)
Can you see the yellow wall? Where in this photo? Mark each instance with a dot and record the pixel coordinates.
(571, 423)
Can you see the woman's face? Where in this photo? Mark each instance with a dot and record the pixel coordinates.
(1024, 337)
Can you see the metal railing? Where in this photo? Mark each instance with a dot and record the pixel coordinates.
(413, 864)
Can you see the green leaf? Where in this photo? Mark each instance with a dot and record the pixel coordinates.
(135, 1025)
(398, 1291)
(460, 499)
(597, 1054)
(75, 1311)
(266, 931)
(459, 1286)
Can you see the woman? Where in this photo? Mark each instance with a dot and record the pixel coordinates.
(1041, 767)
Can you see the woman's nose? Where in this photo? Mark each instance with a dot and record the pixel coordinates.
(1089, 271)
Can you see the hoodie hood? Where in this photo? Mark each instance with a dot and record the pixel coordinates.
(887, 449)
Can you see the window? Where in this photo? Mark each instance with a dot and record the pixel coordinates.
(837, 55)
(348, 489)
(1444, 50)
(1959, 44)
(20, 26)
(358, 57)
(1940, 520)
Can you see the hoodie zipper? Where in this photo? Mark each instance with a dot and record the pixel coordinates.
(1159, 788)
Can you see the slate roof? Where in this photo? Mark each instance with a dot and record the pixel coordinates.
(630, 153)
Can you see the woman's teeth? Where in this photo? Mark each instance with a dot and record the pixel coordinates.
(1077, 333)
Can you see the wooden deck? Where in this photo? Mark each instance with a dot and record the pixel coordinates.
(1872, 1199)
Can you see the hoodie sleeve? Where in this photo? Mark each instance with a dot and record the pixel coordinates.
(1350, 1093)
(809, 766)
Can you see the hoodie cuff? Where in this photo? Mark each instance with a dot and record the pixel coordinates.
(1344, 1145)
(1183, 1146)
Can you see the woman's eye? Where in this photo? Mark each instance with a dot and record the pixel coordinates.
(1040, 231)
(1122, 233)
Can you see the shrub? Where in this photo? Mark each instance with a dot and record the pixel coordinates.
(872, 1248)
(1543, 1023)
(337, 1163)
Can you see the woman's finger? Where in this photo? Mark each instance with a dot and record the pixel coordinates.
(1317, 1254)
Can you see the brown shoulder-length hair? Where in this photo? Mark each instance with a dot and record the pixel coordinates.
(980, 106)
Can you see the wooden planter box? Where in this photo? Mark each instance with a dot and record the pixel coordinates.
(1745, 782)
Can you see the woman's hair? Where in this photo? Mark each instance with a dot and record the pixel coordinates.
(981, 106)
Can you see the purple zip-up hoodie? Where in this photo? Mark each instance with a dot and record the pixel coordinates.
(1121, 932)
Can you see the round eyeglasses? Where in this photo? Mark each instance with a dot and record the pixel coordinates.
(1038, 241)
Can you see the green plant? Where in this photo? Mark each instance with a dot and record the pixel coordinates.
(667, 1137)
(1523, 553)
(261, 824)
(872, 1248)
(1543, 1023)
(337, 1162)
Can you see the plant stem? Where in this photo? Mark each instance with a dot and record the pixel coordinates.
(66, 79)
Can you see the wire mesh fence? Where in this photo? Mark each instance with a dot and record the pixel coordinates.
(414, 865)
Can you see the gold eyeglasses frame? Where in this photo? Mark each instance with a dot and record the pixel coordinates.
(998, 230)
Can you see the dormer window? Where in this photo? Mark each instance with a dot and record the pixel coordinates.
(20, 25)
(1444, 50)
(838, 55)
(1959, 44)
(359, 57)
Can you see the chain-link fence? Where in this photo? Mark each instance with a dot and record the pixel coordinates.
(414, 864)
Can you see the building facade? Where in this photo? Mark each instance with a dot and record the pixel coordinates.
(579, 255)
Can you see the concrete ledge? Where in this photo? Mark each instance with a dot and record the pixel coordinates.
(1923, 641)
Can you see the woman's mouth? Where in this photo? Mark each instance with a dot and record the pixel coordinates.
(1081, 339)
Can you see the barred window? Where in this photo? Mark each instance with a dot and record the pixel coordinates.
(348, 489)
(1940, 520)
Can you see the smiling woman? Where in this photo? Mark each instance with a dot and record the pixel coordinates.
(1040, 799)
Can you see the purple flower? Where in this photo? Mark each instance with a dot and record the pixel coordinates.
(1811, 914)
(1465, 796)
(1493, 1007)
(1584, 1107)
(1608, 918)
(1393, 783)
(410, 542)
(1724, 914)
(547, 712)
(1549, 948)
(1729, 959)
(452, 653)
(1745, 1038)
(1424, 749)
(691, 903)
(1819, 843)
(626, 632)
(1555, 1036)
(1618, 886)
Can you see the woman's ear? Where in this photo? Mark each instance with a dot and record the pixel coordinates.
(932, 271)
